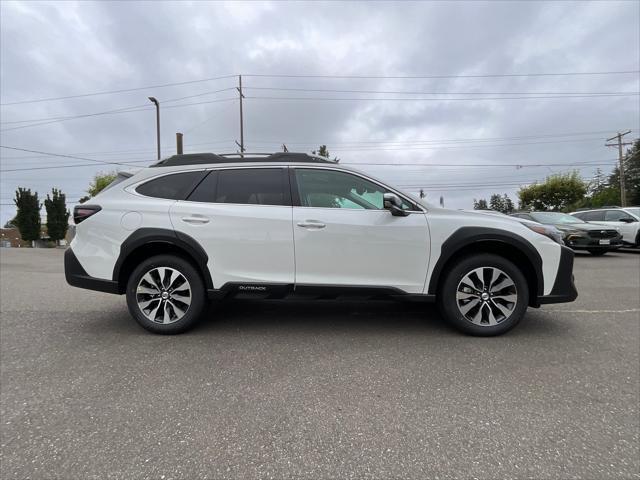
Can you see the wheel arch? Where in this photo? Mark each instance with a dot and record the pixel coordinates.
(148, 242)
(472, 240)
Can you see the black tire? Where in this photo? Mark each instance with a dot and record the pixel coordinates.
(597, 253)
(448, 301)
(193, 311)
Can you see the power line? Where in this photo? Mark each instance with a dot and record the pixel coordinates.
(402, 77)
(55, 167)
(123, 109)
(109, 92)
(465, 99)
(404, 92)
(391, 77)
(58, 155)
(120, 110)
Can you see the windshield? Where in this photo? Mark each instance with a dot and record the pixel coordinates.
(634, 211)
(554, 217)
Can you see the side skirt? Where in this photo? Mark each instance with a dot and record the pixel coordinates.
(313, 292)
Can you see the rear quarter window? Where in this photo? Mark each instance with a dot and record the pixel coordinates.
(174, 186)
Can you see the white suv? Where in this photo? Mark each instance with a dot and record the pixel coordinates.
(626, 220)
(198, 227)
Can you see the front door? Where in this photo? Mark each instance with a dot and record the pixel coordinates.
(344, 237)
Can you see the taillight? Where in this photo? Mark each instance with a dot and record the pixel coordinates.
(82, 212)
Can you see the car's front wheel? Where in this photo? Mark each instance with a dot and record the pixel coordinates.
(484, 295)
(165, 294)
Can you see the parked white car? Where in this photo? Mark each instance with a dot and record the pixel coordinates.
(626, 220)
(204, 226)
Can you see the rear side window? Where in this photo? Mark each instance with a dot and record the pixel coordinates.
(173, 187)
(251, 186)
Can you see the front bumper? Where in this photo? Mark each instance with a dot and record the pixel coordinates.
(564, 290)
(590, 243)
(76, 276)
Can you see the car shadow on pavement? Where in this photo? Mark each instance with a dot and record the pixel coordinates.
(324, 317)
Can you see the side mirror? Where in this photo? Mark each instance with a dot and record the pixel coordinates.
(626, 220)
(393, 203)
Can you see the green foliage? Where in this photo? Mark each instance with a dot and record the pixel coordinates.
(57, 215)
(100, 182)
(632, 174)
(557, 192)
(323, 151)
(497, 202)
(28, 215)
(480, 204)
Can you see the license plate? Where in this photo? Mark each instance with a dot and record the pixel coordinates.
(605, 242)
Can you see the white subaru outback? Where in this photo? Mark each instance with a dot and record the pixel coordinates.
(197, 227)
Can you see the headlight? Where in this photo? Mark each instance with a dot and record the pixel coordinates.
(548, 231)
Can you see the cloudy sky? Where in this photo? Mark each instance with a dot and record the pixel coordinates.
(430, 92)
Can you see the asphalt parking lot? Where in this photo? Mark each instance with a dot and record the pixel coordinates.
(280, 389)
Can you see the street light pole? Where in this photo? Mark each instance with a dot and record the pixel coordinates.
(157, 104)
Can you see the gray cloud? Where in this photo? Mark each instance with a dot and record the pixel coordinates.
(58, 49)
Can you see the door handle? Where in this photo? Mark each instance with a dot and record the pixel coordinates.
(196, 219)
(312, 224)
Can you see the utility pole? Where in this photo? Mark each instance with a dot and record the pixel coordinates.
(179, 143)
(157, 104)
(239, 88)
(620, 144)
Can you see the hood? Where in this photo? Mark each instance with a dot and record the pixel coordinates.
(587, 227)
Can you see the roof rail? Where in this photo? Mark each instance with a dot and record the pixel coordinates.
(209, 158)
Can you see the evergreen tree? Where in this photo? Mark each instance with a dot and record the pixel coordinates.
(28, 214)
(57, 215)
(323, 151)
(480, 204)
(496, 203)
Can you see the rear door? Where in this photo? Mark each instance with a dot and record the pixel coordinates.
(344, 237)
(242, 218)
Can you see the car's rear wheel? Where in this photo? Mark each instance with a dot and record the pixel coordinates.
(484, 295)
(597, 253)
(165, 294)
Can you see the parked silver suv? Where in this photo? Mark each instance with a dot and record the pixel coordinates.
(626, 220)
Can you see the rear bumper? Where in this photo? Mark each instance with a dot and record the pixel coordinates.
(564, 290)
(76, 276)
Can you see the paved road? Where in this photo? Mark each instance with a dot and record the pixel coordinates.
(317, 390)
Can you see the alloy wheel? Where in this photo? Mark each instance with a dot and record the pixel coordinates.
(486, 296)
(163, 295)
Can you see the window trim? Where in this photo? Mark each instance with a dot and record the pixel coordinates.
(295, 193)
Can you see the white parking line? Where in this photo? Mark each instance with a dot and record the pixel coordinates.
(630, 310)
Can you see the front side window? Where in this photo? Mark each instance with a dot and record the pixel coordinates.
(173, 187)
(331, 189)
(252, 186)
(615, 215)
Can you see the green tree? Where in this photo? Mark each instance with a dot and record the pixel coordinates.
(507, 204)
(496, 203)
(57, 215)
(323, 151)
(28, 214)
(480, 204)
(631, 174)
(557, 192)
(100, 182)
